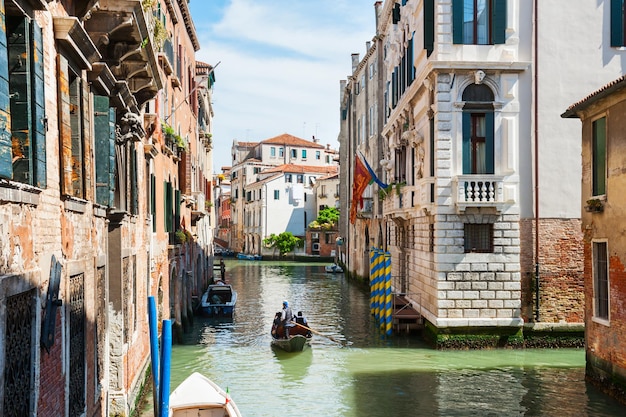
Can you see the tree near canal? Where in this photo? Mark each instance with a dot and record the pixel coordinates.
(327, 218)
(285, 242)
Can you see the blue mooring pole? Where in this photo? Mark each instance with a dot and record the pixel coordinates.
(154, 352)
(166, 356)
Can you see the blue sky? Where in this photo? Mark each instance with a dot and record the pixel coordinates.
(280, 64)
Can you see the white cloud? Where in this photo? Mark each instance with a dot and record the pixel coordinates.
(281, 62)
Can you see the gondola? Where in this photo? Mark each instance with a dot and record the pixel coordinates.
(299, 336)
(295, 343)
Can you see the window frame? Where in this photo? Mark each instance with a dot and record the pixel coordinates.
(496, 22)
(599, 157)
(601, 282)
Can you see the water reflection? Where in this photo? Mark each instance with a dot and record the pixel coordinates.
(351, 370)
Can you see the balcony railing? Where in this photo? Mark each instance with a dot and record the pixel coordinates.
(479, 190)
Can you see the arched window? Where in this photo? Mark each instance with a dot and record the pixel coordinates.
(478, 130)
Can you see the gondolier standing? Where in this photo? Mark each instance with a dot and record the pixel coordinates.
(287, 318)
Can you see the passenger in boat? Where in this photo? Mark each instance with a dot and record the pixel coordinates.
(215, 299)
(300, 319)
(276, 324)
(287, 318)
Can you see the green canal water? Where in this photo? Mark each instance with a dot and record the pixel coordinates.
(354, 371)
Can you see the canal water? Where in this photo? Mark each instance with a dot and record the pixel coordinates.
(351, 370)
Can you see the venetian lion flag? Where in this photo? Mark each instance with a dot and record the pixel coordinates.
(362, 178)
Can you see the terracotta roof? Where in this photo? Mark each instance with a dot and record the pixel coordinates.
(287, 139)
(203, 68)
(303, 169)
(599, 94)
(329, 177)
(246, 144)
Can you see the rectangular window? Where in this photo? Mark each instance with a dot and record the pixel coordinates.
(276, 194)
(429, 26)
(598, 157)
(300, 179)
(22, 112)
(479, 22)
(288, 178)
(478, 238)
(318, 155)
(618, 18)
(303, 153)
(478, 147)
(281, 152)
(256, 170)
(600, 281)
(272, 151)
(294, 153)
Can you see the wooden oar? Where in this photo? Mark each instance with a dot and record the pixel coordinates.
(321, 334)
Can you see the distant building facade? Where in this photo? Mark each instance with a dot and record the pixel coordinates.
(255, 166)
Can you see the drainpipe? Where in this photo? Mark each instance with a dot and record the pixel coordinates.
(536, 115)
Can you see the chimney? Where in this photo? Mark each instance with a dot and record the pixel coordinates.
(377, 11)
(315, 140)
(355, 62)
(367, 45)
(342, 89)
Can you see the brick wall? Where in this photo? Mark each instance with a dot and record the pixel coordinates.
(561, 295)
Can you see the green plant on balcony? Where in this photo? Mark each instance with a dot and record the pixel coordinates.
(148, 5)
(181, 236)
(208, 204)
(159, 34)
(171, 137)
(594, 205)
(384, 192)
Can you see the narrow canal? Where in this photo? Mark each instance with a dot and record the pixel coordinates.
(355, 372)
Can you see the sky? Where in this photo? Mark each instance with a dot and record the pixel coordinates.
(278, 65)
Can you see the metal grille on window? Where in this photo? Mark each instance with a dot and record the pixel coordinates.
(77, 346)
(18, 355)
(478, 238)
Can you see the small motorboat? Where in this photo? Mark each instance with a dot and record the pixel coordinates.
(249, 257)
(199, 396)
(218, 301)
(333, 269)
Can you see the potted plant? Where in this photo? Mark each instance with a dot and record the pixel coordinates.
(181, 236)
(594, 205)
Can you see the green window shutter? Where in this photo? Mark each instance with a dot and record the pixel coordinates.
(489, 151)
(6, 155)
(598, 158)
(134, 198)
(19, 89)
(467, 143)
(617, 25)
(101, 130)
(65, 127)
(39, 110)
(177, 200)
(498, 21)
(86, 143)
(168, 206)
(457, 21)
